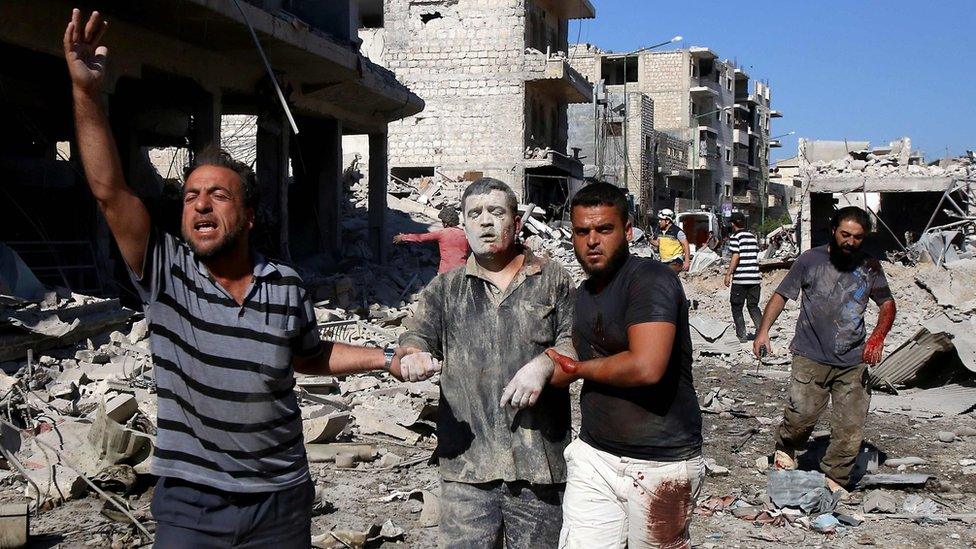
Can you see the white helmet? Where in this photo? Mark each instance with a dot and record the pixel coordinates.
(666, 214)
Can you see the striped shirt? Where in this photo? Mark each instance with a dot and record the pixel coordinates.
(227, 414)
(746, 272)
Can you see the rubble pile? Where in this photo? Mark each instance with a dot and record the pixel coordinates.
(896, 160)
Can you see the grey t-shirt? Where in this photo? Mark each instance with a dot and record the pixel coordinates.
(830, 329)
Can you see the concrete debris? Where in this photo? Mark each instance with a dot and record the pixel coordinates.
(946, 436)
(917, 505)
(895, 160)
(879, 501)
(905, 462)
(806, 490)
(711, 336)
(14, 525)
(908, 479)
(824, 524)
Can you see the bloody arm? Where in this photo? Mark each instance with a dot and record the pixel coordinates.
(644, 363)
(875, 345)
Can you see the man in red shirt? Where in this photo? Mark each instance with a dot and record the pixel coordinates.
(451, 242)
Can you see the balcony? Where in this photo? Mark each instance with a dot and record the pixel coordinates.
(703, 92)
(704, 129)
(775, 114)
(740, 172)
(555, 77)
(775, 144)
(748, 198)
(741, 136)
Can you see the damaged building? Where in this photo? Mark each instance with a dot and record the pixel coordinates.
(496, 82)
(706, 137)
(176, 70)
(907, 196)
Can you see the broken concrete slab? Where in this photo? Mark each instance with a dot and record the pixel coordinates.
(325, 428)
(318, 453)
(907, 479)
(14, 525)
(121, 406)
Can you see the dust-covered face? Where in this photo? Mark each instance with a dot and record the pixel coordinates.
(489, 223)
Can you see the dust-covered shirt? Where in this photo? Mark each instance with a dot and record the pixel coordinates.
(227, 412)
(830, 329)
(483, 336)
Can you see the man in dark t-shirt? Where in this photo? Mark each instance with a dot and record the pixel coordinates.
(635, 471)
(831, 354)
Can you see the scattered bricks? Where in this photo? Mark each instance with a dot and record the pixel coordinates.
(121, 407)
(14, 525)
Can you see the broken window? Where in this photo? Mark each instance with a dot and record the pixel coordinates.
(428, 17)
(615, 129)
(371, 14)
(615, 69)
(406, 173)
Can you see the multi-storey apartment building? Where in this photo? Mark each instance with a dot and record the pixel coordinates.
(703, 102)
(496, 82)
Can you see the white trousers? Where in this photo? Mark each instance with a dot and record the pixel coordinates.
(613, 501)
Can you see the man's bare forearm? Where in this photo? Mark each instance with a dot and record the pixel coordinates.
(340, 359)
(125, 213)
(99, 154)
(771, 312)
(732, 265)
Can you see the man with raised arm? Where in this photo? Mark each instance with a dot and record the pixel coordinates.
(830, 354)
(501, 430)
(636, 469)
(228, 327)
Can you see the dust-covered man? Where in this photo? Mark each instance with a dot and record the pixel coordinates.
(501, 430)
(636, 470)
(830, 354)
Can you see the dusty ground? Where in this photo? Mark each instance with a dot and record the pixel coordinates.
(361, 497)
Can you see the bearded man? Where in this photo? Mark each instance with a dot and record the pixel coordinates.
(228, 330)
(830, 355)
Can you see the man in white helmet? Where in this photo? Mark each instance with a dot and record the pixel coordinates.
(671, 242)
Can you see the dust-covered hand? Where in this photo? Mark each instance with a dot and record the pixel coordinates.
(410, 364)
(873, 349)
(567, 364)
(527, 384)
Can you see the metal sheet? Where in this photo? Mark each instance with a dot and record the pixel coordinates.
(907, 360)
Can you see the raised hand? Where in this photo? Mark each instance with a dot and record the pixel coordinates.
(83, 51)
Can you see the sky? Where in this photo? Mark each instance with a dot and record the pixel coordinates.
(855, 69)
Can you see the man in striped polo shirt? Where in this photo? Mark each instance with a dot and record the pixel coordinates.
(228, 329)
(743, 276)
